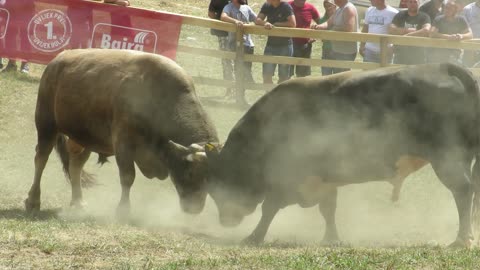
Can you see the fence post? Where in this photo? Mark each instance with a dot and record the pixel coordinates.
(239, 66)
(383, 51)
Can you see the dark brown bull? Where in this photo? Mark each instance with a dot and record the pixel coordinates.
(128, 104)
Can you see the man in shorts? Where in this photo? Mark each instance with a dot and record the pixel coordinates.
(277, 14)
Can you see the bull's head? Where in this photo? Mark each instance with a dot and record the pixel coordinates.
(233, 197)
(188, 168)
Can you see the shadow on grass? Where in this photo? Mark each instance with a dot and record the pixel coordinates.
(22, 77)
(27, 78)
(221, 102)
(21, 214)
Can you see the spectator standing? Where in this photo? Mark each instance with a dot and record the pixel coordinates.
(344, 19)
(449, 26)
(215, 9)
(433, 8)
(304, 13)
(240, 13)
(378, 17)
(277, 14)
(17, 37)
(330, 8)
(410, 22)
(471, 12)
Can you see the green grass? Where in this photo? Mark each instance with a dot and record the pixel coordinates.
(378, 234)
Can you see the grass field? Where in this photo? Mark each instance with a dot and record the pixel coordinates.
(378, 234)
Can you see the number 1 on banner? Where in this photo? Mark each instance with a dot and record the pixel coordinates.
(50, 30)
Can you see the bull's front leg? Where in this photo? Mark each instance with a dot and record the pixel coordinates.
(124, 157)
(455, 176)
(328, 207)
(270, 208)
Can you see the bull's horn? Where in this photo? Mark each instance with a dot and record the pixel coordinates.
(196, 147)
(197, 156)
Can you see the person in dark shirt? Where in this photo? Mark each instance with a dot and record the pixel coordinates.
(277, 14)
(215, 9)
(449, 26)
(410, 22)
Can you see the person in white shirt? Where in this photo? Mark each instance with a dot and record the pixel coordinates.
(471, 12)
(377, 19)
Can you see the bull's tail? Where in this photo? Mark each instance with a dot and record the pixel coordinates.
(86, 179)
(476, 193)
(471, 84)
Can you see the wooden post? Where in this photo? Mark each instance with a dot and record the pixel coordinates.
(239, 69)
(384, 51)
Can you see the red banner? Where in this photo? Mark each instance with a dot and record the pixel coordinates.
(37, 30)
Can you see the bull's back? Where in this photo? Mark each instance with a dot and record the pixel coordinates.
(89, 90)
(363, 122)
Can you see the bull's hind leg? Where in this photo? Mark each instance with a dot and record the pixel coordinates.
(78, 157)
(328, 206)
(270, 208)
(456, 177)
(46, 142)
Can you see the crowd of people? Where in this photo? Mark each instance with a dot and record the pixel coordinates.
(443, 19)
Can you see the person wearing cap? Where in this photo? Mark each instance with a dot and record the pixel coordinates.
(330, 7)
(433, 8)
(239, 13)
(378, 17)
(410, 22)
(276, 13)
(449, 26)
(344, 19)
(305, 13)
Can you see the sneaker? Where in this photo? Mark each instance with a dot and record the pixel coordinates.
(229, 93)
(10, 68)
(25, 68)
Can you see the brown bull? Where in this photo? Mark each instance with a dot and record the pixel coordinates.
(128, 104)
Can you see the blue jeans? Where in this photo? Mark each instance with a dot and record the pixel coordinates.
(283, 70)
(342, 56)
(327, 55)
(374, 57)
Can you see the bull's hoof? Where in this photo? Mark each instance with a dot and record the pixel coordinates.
(78, 204)
(252, 240)
(32, 206)
(331, 242)
(123, 214)
(461, 243)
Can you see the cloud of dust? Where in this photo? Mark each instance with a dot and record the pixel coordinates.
(425, 213)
